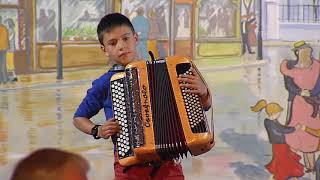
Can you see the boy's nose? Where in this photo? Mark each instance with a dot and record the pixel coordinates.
(121, 45)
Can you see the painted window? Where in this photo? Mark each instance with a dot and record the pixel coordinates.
(46, 20)
(300, 11)
(217, 19)
(151, 21)
(79, 26)
(183, 21)
(155, 11)
(8, 1)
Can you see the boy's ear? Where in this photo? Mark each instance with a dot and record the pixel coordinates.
(104, 50)
(136, 37)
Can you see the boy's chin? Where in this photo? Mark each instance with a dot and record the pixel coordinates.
(125, 61)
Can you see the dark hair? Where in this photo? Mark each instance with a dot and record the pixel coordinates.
(110, 21)
(47, 163)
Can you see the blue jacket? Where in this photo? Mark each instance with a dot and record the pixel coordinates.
(98, 97)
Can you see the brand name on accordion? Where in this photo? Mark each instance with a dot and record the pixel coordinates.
(146, 105)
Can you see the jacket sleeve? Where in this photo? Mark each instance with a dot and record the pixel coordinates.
(291, 86)
(285, 70)
(93, 101)
(316, 90)
(283, 129)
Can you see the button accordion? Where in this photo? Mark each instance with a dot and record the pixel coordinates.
(158, 120)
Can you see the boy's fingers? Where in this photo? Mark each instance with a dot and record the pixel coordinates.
(110, 126)
(113, 123)
(109, 129)
(107, 133)
(187, 80)
(194, 91)
(111, 132)
(194, 72)
(186, 76)
(191, 86)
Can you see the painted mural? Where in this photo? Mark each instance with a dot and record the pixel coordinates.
(217, 19)
(259, 58)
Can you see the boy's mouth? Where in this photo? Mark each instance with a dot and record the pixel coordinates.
(123, 54)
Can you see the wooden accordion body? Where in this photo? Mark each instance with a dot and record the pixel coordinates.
(158, 120)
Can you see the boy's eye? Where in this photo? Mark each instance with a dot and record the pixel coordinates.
(112, 43)
(126, 38)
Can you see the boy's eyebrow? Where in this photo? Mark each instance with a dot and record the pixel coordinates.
(126, 34)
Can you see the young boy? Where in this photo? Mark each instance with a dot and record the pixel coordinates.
(118, 41)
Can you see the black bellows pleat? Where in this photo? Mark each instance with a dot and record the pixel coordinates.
(169, 137)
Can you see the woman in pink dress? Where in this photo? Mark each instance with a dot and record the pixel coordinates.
(304, 75)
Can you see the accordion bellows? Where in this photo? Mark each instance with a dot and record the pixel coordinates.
(158, 119)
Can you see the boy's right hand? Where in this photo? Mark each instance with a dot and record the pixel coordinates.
(108, 129)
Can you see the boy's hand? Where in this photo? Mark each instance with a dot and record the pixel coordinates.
(108, 129)
(194, 83)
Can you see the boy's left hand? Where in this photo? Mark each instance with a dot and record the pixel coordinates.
(194, 83)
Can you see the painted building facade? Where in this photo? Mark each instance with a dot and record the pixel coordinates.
(197, 29)
(291, 20)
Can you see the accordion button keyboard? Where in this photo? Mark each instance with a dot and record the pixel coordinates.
(119, 108)
(194, 108)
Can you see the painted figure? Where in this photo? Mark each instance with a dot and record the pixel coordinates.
(314, 132)
(4, 47)
(304, 75)
(285, 163)
(12, 49)
(43, 21)
(141, 25)
(245, 23)
(163, 33)
(252, 37)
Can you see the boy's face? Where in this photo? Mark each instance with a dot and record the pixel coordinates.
(120, 44)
